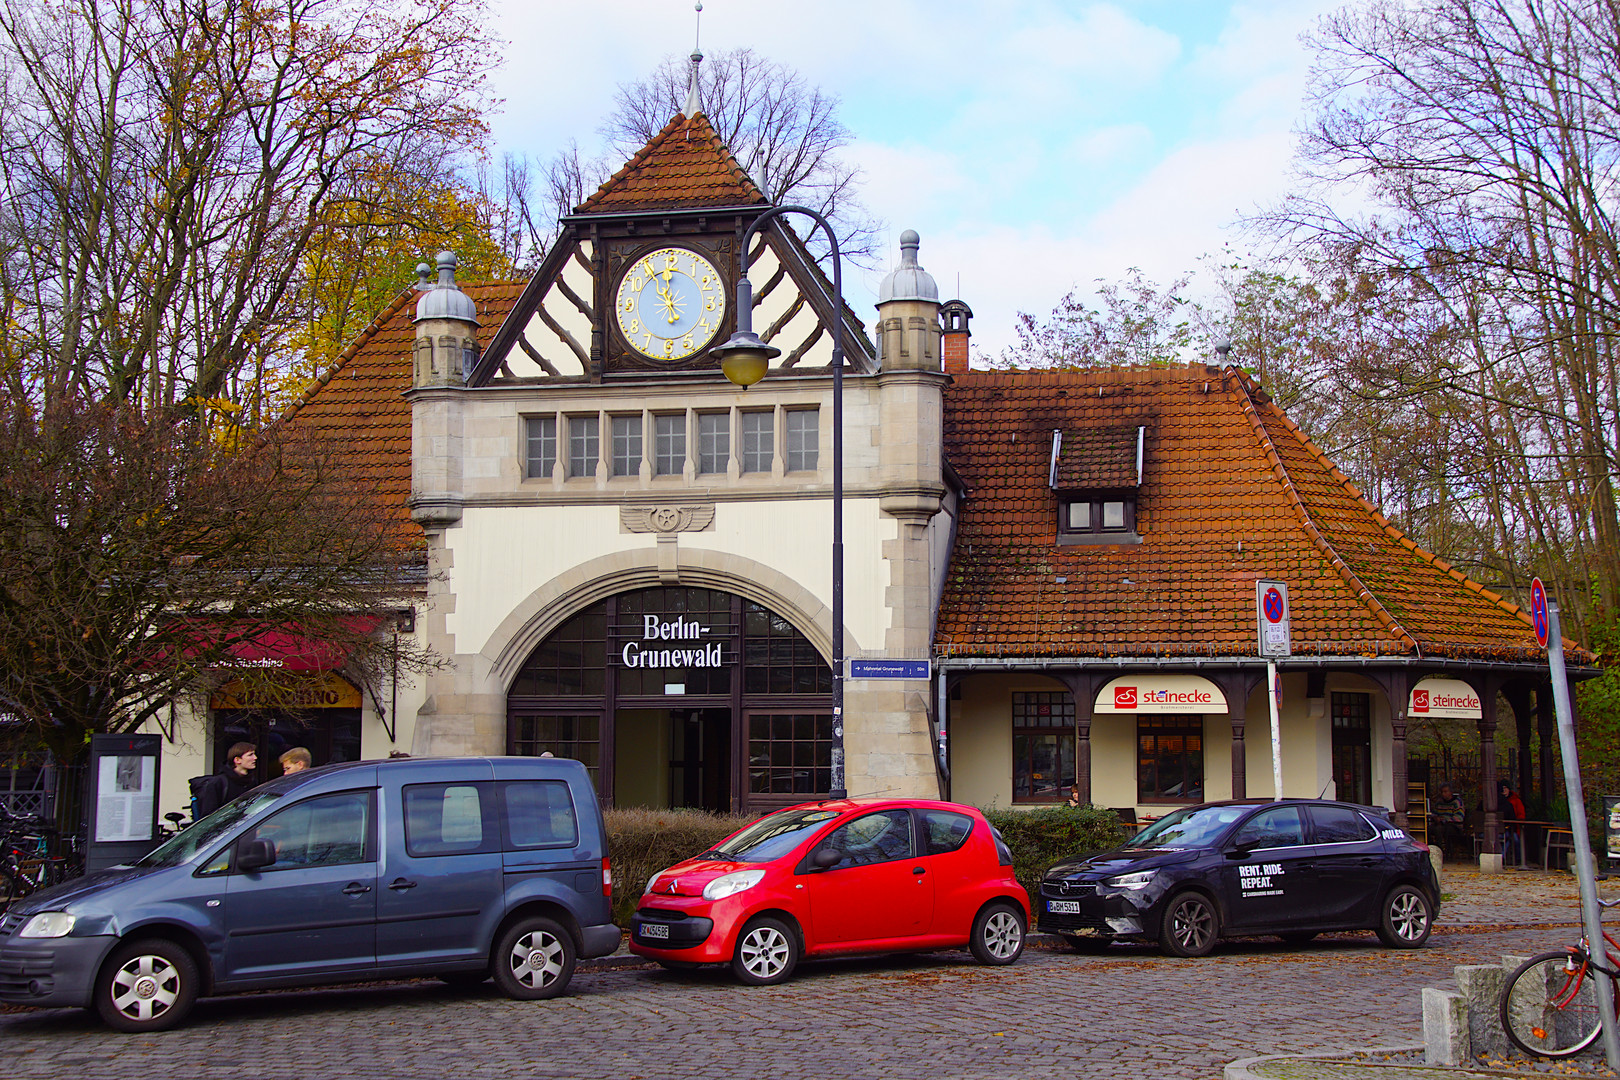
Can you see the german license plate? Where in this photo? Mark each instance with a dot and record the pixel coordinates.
(1063, 907)
(655, 930)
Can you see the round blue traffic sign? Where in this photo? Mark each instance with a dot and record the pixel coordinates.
(1538, 611)
(1274, 604)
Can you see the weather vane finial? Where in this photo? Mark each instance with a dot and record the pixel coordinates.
(692, 104)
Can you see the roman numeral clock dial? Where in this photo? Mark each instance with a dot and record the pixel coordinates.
(670, 303)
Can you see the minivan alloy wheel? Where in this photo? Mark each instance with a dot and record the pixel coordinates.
(534, 959)
(146, 986)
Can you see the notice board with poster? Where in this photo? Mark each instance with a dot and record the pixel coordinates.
(123, 806)
(1611, 831)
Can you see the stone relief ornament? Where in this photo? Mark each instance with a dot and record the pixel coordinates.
(665, 518)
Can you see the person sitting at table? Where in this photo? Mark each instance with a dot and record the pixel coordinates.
(1511, 807)
(1447, 813)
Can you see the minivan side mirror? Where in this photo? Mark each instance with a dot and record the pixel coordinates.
(254, 855)
(826, 858)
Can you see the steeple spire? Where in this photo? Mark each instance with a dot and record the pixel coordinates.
(693, 106)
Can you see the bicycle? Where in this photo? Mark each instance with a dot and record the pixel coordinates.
(1549, 1007)
(27, 860)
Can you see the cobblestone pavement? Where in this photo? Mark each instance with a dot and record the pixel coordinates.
(1130, 1013)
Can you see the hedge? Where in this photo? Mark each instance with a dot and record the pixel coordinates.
(643, 842)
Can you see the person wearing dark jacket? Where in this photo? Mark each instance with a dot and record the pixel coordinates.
(234, 779)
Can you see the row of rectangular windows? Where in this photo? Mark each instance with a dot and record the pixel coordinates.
(711, 451)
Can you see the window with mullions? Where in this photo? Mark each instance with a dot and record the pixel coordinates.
(714, 442)
(778, 659)
(542, 446)
(574, 736)
(801, 430)
(1043, 746)
(571, 662)
(1169, 759)
(669, 445)
(790, 753)
(626, 445)
(758, 444)
(584, 445)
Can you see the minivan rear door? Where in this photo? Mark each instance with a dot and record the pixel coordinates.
(440, 884)
(311, 912)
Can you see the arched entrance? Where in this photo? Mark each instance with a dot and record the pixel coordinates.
(680, 697)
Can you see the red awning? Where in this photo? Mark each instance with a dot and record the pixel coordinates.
(286, 647)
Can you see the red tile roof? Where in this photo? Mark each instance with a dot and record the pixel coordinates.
(1231, 492)
(1092, 458)
(361, 401)
(683, 166)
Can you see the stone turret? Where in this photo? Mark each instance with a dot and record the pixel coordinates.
(444, 353)
(446, 328)
(908, 314)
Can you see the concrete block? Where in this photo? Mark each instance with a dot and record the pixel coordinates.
(1445, 1028)
(1481, 988)
(1437, 860)
(1489, 863)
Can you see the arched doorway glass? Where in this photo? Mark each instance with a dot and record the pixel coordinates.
(680, 697)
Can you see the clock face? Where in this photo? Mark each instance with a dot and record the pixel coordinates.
(670, 303)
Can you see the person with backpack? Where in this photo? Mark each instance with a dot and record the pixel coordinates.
(234, 779)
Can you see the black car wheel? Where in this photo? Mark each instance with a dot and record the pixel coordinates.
(146, 985)
(1191, 925)
(1407, 918)
(998, 935)
(534, 959)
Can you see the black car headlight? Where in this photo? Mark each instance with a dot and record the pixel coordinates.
(1137, 880)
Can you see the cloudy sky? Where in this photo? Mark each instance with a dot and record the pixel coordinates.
(1036, 147)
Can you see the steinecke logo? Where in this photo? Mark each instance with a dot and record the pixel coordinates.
(1124, 697)
(1420, 701)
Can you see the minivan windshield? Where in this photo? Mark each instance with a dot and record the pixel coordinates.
(183, 845)
(1196, 826)
(771, 836)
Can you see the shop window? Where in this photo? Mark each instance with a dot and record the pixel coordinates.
(572, 662)
(584, 445)
(714, 442)
(758, 441)
(626, 434)
(571, 735)
(541, 438)
(669, 445)
(1169, 759)
(1043, 746)
(790, 753)
(801, 428)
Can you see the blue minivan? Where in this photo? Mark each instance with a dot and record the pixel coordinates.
(460, 868)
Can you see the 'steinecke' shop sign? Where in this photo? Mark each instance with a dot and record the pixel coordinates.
(1161, 694)
(1446, 698)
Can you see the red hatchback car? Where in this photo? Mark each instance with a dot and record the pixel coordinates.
(837, 878)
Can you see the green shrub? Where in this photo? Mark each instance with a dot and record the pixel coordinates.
(643, 842)
(1039, 838)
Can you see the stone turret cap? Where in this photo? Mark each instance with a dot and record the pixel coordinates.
(444, 299)
(908, 281)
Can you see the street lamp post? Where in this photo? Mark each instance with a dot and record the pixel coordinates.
(744, 359)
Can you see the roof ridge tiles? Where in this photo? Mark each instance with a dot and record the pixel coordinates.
(1394, 532)
(644, 163)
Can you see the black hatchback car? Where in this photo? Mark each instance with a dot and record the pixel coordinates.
(1294, 868)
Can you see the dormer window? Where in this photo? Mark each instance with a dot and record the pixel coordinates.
(1095, 474)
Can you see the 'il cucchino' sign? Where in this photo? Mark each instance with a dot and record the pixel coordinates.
(654, 649)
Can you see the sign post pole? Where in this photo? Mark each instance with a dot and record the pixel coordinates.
(1276, 640)
(1586, 870)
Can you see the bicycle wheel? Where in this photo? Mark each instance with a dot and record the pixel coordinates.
(11, 888)
(1550, 1005)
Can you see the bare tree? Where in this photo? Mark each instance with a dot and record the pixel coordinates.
(784, 133)
(1484, 134)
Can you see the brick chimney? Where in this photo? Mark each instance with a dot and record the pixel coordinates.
(954, 315)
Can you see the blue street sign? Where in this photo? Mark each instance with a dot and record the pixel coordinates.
(889, 669)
